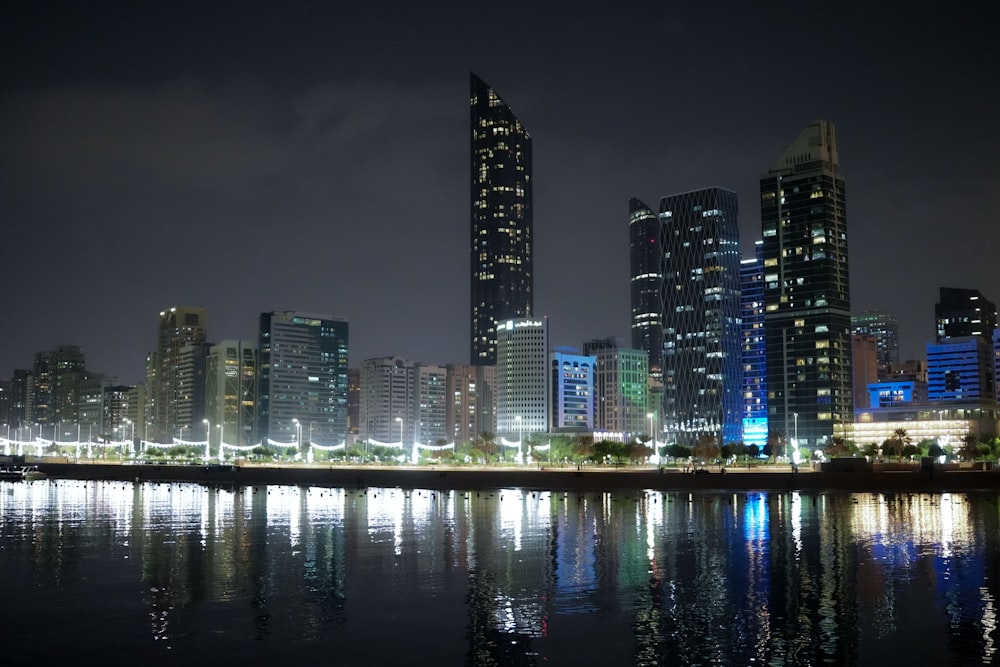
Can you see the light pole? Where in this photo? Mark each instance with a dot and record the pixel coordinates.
(222, 437)
(298, 435)
(519, 437)
(400, 420)
(652, 431)
(128, 422)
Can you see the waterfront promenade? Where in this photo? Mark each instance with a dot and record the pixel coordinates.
(555, 478)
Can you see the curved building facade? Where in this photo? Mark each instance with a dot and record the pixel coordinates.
(646, 283)
(501, 234)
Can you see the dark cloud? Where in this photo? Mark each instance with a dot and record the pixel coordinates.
(248, 157)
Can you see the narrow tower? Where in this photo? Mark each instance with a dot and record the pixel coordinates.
(501, 231)
(807, 297)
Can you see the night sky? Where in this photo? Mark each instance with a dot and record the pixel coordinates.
(252, 156)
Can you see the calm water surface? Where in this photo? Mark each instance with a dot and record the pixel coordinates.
(110, 573)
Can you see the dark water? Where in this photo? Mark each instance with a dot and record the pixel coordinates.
(111, 573)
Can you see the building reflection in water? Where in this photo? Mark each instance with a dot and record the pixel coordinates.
(521, 577)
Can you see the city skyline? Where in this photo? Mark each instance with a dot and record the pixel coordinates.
(315, 160)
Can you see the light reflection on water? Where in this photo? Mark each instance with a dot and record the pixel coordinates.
(392, 576)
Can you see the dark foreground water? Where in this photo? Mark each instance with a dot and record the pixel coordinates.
(109, 573)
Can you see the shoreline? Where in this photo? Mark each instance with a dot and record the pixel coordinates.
(544, 478)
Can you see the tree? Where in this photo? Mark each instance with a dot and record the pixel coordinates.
(775, 444)
(934, 450)
(970, 447)
(486, 443)
(838, 447)
(583, 447)
(677, 451)
(707, 447)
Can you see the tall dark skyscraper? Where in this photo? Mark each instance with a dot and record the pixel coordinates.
(754, 354)
(884, 329)
(501, 244)
(646, 280)
(702, 370)
(964, 312)
(807, 312)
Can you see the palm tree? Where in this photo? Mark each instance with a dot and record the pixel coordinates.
(487, 442)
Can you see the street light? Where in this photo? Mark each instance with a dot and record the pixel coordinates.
(298, 434)
(652, 432)
(400, 420)
(222, 437)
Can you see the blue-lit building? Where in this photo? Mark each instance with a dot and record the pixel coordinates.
(960, 369)
(702, 371)
(887, 394)
(572, 386)
(753, 352)
(302, 390)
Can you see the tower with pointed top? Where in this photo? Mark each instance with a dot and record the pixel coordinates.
(501, 243)
(807, 297)
(646, 283)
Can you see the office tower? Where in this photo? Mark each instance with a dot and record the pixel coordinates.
(430, 423)
(117, 408)
(964, 312)
(137, 410)
(388, 397)
(353, 401)
(189, 407)
(996, 364)
(865, 368)
(807, 301)
(19, 393)
(753, 355)
(461, 416)
(646, 283)
(178, 327)
(961, 369)
(90, 408)
(702, 370)
(884, 328)
(302, 382)
(572, 386)
(501, 247)
(522, 377)
(5, 403)
(621, 388)
(231, 373)
(55, 387)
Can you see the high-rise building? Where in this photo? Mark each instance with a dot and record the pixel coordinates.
(807, 298)
(646, 283)
(522, 377)
(189, 406)
(463, 400)
(302, 383)
(231, 370)
(864, 367)
(353, 401)
(501, 247)
(430, 414)
(964, 312)
(961, 369)
(621, 388)
(883, 327)
(702, 369)
(169, 395)
(572, 386)
(116, 408)
(388, 397)
(55, 387)
(753, 355)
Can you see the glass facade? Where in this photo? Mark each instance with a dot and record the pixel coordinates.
(964, 312)
(646, 272)
(501, 232)
(753, 357)
(572, 391)
(885, 330)
(702, 371)
(807, 316)
(303, 377)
